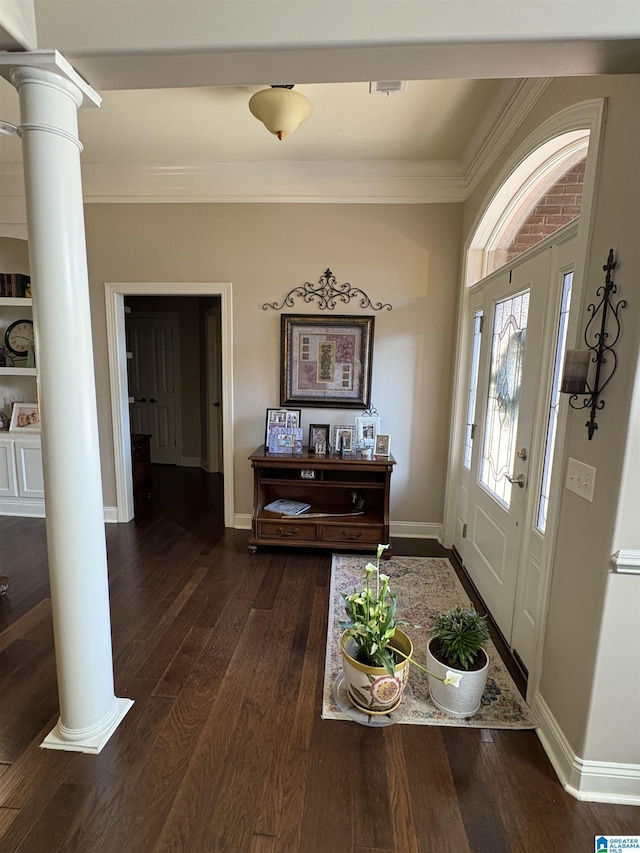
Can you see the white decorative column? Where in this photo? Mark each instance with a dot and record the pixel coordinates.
(50, 93)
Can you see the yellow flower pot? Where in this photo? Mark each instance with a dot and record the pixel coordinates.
(370, 688)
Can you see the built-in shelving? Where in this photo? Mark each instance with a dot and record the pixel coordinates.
(15, 301)
(18, 371)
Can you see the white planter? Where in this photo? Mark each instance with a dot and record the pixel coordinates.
(370, 688)
(463, 700)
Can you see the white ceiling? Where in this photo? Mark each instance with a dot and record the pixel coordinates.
(176, 77)
(433, 120)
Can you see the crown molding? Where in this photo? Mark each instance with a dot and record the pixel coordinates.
(364, 182)
(492, 136)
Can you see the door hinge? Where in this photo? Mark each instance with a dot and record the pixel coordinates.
(464, 531)
(481, 322)
(473, 431)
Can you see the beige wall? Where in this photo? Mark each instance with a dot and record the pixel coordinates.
(404, 254)
(576, 682)
(14, 255)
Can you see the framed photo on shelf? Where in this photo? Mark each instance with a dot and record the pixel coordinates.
(25, 417)
(319, 438)
(285, 440)
(280, 418)
(344, 438)
(382, 446)
(367, 429)
(326, 361)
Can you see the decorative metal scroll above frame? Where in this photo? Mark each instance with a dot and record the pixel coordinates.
(600, 343)
(327, 293)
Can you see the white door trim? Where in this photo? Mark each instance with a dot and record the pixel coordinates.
(116, 343)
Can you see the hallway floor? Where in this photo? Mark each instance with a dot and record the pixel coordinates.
(224, 748)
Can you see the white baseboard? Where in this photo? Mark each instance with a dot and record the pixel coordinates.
(590, 781)
(415, 530)
(242, 521)
(35, 509)
(111, 515)
(27, 507)
(189, 462)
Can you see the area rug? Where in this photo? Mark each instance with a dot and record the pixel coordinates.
(424, 586)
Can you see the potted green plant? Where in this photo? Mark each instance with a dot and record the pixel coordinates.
(457, 645)
(376, 652)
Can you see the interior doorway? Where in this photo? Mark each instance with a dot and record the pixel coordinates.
(116, 337)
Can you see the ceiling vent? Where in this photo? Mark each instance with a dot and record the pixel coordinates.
(388, 87)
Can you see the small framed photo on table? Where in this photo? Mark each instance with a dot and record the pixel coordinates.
(319, 438)
(277, 418)
(344, 438)
(25, 418)
(285, 440)
(382, 446)
(367, 429)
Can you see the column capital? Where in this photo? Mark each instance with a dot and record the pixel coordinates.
(47, 66)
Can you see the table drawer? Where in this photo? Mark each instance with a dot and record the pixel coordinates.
(350, 533)
(287, 530)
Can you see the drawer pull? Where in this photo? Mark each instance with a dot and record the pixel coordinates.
(351, 535)
(283, 532)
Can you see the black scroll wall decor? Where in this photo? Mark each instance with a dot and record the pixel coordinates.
(327, 293)
(600, 343)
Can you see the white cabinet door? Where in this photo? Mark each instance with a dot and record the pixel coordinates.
(8, 483)
(29, 468)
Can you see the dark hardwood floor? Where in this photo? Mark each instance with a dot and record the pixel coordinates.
(224, 748)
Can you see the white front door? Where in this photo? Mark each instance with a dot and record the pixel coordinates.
(508, 375)
(150, 341)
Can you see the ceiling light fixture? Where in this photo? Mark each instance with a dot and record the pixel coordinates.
(280, 109)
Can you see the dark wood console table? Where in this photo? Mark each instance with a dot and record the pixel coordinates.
(335, 487)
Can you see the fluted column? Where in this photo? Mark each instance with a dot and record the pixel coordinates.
(50, 95)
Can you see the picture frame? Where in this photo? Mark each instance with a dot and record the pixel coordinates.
(285, 440)
(367, 428)
(346, 432)
(280, 418)
(326, 361)
(319, 436)
(25, 417)
(382, 446)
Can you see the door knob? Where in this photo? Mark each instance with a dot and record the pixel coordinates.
(522, 454)
(516, 481)
(152, 400)
(139, 399)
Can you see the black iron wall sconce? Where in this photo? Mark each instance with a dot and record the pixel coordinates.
(599, 351)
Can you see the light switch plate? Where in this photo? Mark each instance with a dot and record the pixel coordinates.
(581, 479)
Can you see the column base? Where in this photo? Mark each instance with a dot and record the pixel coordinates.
(91, 743)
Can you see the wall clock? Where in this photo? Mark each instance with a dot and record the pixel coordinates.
(19, 337)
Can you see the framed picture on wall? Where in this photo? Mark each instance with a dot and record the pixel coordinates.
(326, 361)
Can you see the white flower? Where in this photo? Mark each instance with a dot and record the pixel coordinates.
(452, 678)
(381, 548)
